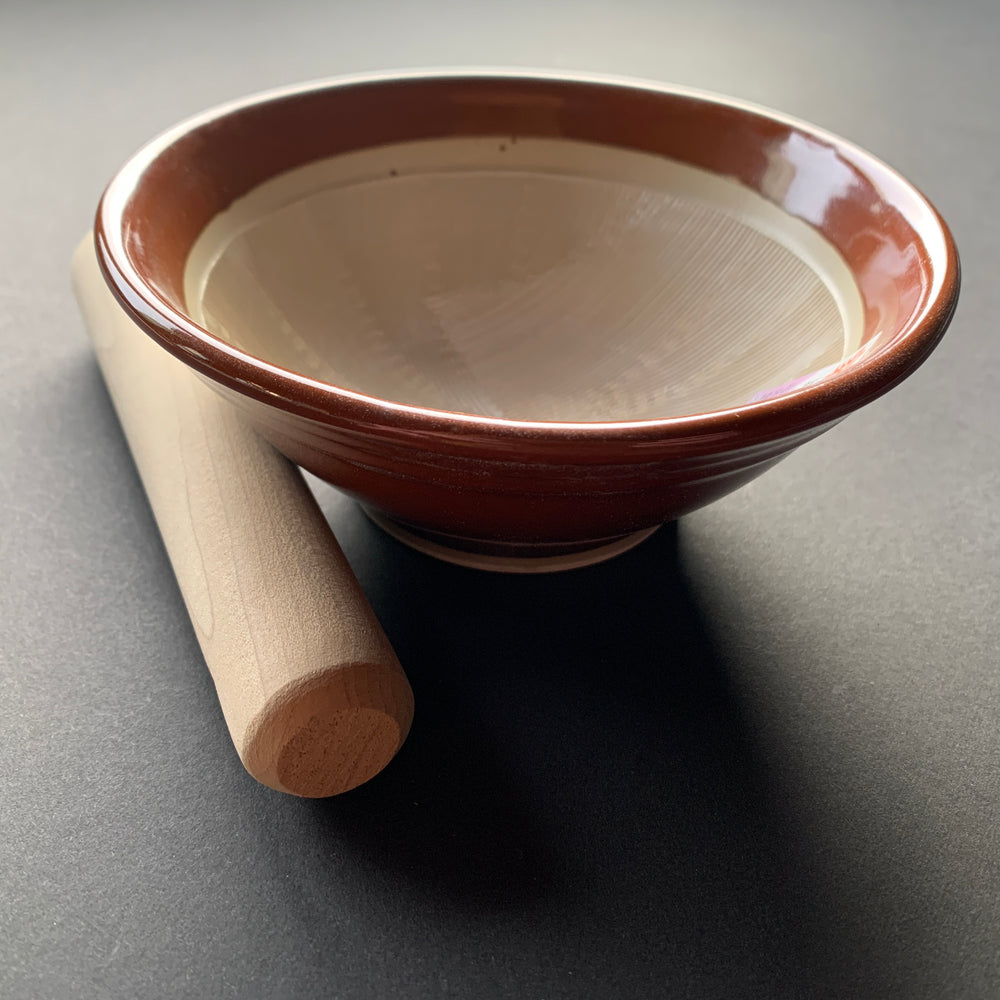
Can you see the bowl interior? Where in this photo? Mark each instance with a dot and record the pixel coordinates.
(532, 278)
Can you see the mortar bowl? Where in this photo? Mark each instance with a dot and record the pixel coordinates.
(526, 318)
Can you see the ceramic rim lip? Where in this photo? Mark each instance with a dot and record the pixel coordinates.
(852, 385)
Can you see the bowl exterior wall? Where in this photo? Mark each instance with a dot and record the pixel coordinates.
(464, 494)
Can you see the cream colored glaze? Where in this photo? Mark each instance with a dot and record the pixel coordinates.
(529, 279)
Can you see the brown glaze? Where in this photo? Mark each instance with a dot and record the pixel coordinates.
(497, 482)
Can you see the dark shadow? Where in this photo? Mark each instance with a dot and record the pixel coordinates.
(577, 746)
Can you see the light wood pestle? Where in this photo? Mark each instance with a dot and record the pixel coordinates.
(312, 692)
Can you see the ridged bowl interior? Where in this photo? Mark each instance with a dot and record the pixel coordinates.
(533, 279)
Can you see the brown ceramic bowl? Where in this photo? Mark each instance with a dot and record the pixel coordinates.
(525, 316)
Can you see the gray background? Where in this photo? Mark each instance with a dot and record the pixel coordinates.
(756, 757)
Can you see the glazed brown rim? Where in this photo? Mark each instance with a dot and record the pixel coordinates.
(853, 385)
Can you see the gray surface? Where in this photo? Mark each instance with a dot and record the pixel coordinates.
(757, 757)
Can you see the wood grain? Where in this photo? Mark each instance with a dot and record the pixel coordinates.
(313, 694)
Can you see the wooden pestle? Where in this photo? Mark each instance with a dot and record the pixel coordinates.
(310, 687)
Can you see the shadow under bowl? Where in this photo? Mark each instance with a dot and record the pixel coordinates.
(526, 318)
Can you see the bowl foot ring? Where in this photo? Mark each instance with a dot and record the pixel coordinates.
(509, 564)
